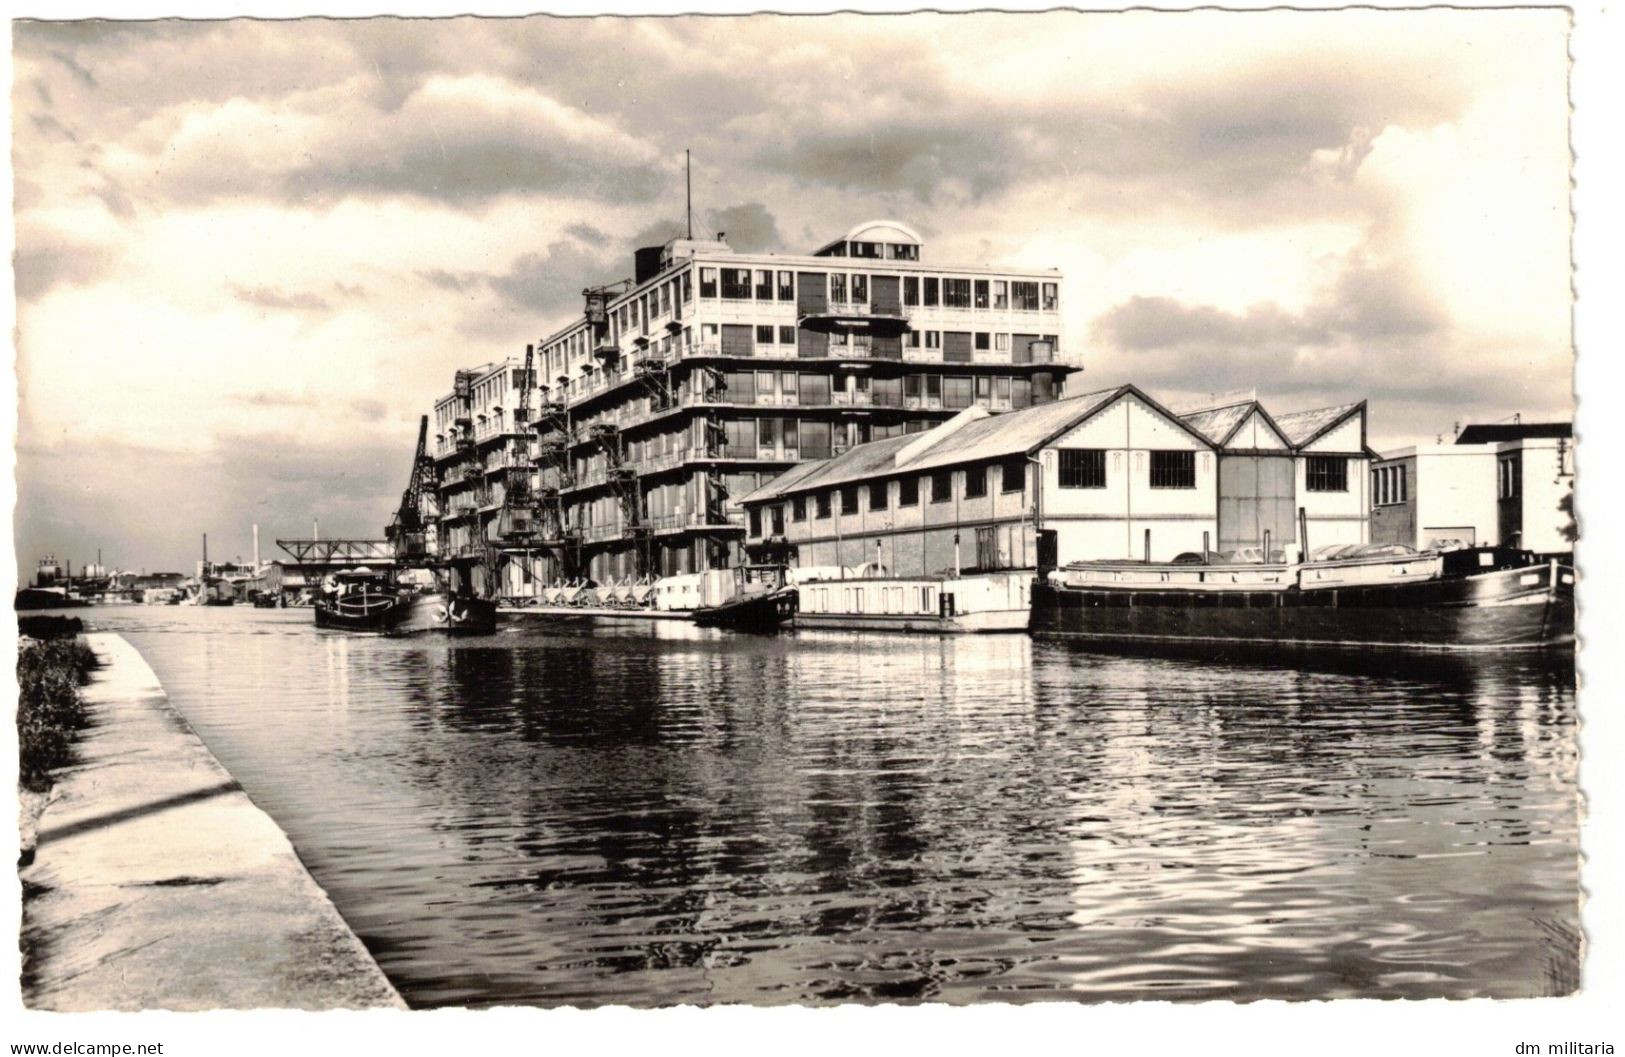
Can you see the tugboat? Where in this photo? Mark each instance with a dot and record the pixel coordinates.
(364, 600)
(760, 600)
(1375, 595)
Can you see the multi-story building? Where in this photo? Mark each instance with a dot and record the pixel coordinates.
(710, 373)
(483, 446)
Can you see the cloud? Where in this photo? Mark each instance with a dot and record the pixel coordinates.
(281, 300)
(43, 262)
(750, 227)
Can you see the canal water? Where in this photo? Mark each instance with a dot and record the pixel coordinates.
(565, 815)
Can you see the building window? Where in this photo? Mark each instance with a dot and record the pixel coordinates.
(956, 293)
(815, 439)
(1001, 294)
(764, 285)
(1511, 477)
(787, 335)
(798, 508)
(976, 482)
(1082, 468)
(911, 386)
(813, 388)
(837, 288)
(984, 390)
(821, 505)
(981, 293)
(767, 432)
(1051, 297)
(911, 290)
(1173, 469)
(1401, 484)
(849, 499)
(756, 521)
(764, 335)
(931, 284)
(942, 486)
(957, 391)
(860, 289)
(982, 341)
(1024, 296)
(736, 284)
(908, 491)
(933, 387)
(688, 285)
(1327, 473)
(933, 339)
(1013, 474)
(708, 283)
(1001, 389)
(665, 299)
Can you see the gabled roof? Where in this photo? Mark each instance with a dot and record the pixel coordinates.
(991, 436)
(1220, 424)
(1304, 427)
(1501, 431)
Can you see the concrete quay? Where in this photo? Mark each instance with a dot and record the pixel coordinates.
(157, 883)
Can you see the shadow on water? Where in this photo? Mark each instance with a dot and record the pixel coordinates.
(654, 815)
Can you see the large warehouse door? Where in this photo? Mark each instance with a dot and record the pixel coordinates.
(1256, 495)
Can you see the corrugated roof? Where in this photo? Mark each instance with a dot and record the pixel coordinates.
(996, 436)
(1301, 426)
(1217, 423)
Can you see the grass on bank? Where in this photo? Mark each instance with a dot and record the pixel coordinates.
(50, 710)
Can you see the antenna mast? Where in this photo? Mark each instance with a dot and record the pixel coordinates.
(688, 184)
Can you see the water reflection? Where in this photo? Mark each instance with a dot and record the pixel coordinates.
(661, 814)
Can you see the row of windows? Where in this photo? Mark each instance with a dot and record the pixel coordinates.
(929, 291)
(955, 391)
(875, 251)
(1389, 484)
(1000, 295)
(1086, 468)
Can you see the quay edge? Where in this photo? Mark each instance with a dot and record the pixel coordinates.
(158, 884)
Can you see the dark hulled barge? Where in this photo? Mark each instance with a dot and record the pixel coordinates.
(1478, 598)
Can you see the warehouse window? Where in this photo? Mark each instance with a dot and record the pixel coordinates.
(1326, 473)
(1001, 294)
(787, 286)
(956, 391)
(911, 290)
(798, 508)
(736, 284)
(764, 285)
(860, 289)
(821, 505)
(764, 335)
(976, 482)
(981, 293)
(708, 284)
(877, 495)
(942, 486)
(1052, 296)
(908, 491)
(813, 388)
(1024, 296)
(756, 521)
(787, 335)
(1013, 474)
(1083, 468)
(1173, 469)
(837, 288)
(931, 285)
(849, 499)
(956, 293)
(981, 341)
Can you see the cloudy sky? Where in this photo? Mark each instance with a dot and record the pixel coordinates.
(250, 254)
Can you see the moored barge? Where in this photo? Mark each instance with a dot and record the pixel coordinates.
(868, 600)
(1477, 598)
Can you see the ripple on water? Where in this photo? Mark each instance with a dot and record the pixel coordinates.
(654, 815)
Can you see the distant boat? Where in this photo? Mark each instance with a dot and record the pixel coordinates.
(46, 598)
(1373, 595)
(868, 599)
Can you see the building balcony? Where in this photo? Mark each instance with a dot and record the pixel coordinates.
(891, 319)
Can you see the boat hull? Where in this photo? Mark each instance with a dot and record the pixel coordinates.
(409, 614)
(756, 613)
(1525, 608)
(940, 605)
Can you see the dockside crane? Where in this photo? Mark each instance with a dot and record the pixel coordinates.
(408, 531)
